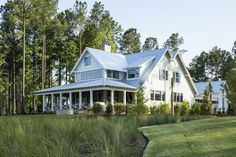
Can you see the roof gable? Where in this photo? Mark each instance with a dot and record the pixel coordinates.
(216, 86)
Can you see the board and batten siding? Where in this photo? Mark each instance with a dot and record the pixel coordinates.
(154, 83)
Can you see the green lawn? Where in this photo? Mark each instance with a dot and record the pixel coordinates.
(215, 137)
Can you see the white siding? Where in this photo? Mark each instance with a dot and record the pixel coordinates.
(95, 65)
(153, 82)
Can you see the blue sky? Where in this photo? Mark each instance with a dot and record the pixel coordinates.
(202, 23)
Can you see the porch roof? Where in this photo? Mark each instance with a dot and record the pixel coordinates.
(87, 84)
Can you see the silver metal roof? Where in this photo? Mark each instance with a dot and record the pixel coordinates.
(88, 84)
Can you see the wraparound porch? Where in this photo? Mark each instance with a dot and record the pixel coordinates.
(85, 98)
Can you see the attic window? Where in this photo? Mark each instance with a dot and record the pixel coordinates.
(87, 61)
(163, 74)
(134, 73)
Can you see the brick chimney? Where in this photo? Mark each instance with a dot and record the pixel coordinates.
(106, 46)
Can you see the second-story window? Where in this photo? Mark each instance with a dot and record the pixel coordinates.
(113, 74)
(134, 73)
(116, 74)
(163, 74)
(87, 61)
(177, 76)
(109, 73)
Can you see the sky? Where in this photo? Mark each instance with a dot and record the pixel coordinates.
(202, 23)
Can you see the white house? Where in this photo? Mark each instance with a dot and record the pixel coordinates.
(220, 103)
(102, 76)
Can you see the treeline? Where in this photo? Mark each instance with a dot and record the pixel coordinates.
(39, 46)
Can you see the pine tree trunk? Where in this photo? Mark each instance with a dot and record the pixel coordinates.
(44, 61)
(23, 105)
(80, 43)
(59, 71)
(14, 87)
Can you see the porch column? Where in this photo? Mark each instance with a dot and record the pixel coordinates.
(112, 97)
(52, 102)
(44, 102)
(60, 105)
(124, 97)
(70, 101)
(135, 97)
(91, 98)
(80, 99)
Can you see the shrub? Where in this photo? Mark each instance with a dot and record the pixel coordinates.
(184, 108)
(97, 108)
(141, 109)
(119, 108)
(177, 109)
(131, 109)
(196, 108)
(137, 109)
(109, 109)
(164, 108)
(154, 110)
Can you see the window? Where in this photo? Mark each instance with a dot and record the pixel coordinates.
(181, 97)
(178, 97)
(116, 74)
(109, 73)
(163, 96)
(163, 75)
(87, 61)
(152, 94)
(158, 95)
(113, 74)
(177, 76)
(89, 75)
(133, 73)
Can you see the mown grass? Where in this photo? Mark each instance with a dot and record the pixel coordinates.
(60, 136)
(214, 137)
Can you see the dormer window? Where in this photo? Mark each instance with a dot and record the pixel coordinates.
(134, 73)
(87, 61)
(113, 74)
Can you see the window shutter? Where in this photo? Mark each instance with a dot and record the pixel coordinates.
(166, 74)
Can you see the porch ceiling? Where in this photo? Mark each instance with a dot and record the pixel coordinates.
(88, 84)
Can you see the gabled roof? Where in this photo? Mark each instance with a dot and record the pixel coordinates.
(216, 86)
(88, 84)
(120, 62)
(113, 61)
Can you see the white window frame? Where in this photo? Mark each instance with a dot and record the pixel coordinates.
(87, 60)
(162, 74)
(174, 73)
(136, 70)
